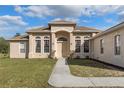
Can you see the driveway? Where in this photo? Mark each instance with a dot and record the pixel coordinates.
(61, 77)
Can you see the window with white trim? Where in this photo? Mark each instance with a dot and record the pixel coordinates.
(38, 45)
(77, 44)
(86, 46)
(117, 44)
(86, 43)
(22, 47)
(46, 44)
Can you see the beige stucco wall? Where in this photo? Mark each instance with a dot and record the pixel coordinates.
(109, 55)
(53, 44)
(56, 32)
(15, 50)
(71, 43)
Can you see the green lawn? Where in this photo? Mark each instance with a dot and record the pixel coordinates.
(90, 68)
(25, 72)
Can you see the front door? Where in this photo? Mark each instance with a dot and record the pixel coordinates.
(59, 49)
(62, 49)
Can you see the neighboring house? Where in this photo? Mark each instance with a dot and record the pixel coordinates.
(59, 39)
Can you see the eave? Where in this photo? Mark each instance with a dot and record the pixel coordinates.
(110, 30)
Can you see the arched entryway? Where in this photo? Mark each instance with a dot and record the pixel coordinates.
(63, 45)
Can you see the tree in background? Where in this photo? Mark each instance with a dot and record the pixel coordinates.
(17, 34)
(4, 46)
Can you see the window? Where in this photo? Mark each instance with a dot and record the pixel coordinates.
(86, 46)
(77, 45)
(117, 45)
(77, 38)
(22, 47)
(46, 45)
(38, 45)
(37, 38)
(101, 46)
(62, 39)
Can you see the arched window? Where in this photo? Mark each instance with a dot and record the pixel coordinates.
(77, 37)
(38, 44)
(46, 37)
(37, 37)
(46, 44)
(62, 39)
(77, 44)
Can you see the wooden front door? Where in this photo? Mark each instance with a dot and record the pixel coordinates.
(62, 50)
(59, 49)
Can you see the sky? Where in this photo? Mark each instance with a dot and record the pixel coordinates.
(19, 19)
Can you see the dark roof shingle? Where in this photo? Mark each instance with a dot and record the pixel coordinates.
(85, 29)
(40, 29)
(21, 37)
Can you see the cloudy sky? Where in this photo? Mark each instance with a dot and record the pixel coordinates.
(18, 19)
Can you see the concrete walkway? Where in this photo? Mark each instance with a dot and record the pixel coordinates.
(61, 77)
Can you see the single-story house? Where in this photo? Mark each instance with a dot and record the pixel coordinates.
(64, 39)
(59, 39)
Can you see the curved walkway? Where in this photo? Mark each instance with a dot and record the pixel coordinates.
(61, 77)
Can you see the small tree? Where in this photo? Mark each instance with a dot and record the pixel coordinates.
(4, 46)
(17, 34)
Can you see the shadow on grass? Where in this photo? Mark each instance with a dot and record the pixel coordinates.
(94, 64)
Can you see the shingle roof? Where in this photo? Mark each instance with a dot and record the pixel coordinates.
(22, 37)
(77, 29)
(85, 29)
(40, 29)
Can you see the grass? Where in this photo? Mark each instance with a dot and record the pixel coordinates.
(33, 73)
(90, 68)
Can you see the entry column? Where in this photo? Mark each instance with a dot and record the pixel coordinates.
(53, 43)
(71, 43)
(31, 45)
